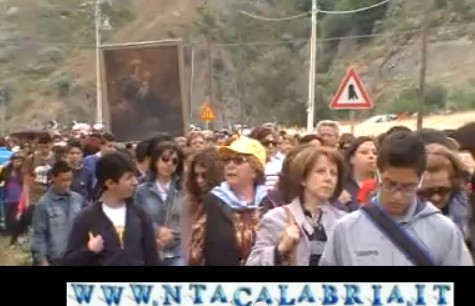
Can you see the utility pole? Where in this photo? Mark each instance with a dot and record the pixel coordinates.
(240, 82)
(423, 70)
(3, 105)
(210, 74)
(98, 25)
(312, 70)
(210, 69)
(192, 78)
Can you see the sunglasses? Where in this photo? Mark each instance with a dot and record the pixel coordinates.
(238, 160)
(268, 143)
(430, 192)
(167, 159)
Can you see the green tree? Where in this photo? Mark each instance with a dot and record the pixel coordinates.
(406, 102)
(276, 76)
(436, 96)
(463, 99)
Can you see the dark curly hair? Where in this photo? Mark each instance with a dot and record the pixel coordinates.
(207, 158)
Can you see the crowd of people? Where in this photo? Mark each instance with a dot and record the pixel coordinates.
(257, 197)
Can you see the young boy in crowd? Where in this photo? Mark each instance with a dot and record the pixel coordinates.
(36, 169)
(83, 178)
(113, 231)
(54, 216)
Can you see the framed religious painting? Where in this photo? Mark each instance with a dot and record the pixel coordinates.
(143, 89)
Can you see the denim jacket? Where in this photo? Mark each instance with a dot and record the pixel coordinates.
(163, 213)
(52, 222)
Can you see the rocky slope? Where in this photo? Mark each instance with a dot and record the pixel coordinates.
(47, 59)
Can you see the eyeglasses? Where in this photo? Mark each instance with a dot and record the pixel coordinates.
(430, 192)
(268, 143)
(391, 186)
(167, 159)
(238, 160)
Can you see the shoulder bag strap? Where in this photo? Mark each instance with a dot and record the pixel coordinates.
(290, 216)
(396, 234)
(290, 259)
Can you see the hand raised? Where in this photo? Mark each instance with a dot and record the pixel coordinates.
(164, 236)
(290, 238)
(95, 243)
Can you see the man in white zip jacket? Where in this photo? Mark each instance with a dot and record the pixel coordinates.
(358, 241)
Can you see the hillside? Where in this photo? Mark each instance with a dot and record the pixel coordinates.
(391, 63)
(48, 63)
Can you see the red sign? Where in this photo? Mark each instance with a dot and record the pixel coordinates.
(351, 94)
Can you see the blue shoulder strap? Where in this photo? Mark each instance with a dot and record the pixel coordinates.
(409, 246)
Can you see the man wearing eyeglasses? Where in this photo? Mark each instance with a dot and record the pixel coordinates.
(397, 228)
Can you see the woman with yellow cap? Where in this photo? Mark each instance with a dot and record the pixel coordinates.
(234, 208)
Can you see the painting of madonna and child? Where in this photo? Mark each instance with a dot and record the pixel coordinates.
(143, 90)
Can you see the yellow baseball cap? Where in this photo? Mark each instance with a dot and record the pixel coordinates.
(246, 146)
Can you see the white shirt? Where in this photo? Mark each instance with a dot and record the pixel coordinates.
(272, 170)
(41, 174)
(117, 217)
(163, 191)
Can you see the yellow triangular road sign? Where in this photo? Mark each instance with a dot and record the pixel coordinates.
(207, 113)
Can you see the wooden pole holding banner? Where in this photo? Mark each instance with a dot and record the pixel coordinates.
(98, 24)
(192, 78)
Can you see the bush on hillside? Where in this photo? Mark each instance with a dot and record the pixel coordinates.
(50, 55)
(436, 96)
(435, 99)
(440, 4)
(63, 85)
(463, 99)
(39, 70)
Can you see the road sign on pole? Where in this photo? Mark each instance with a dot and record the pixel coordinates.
(207, 114)
(351, 94)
